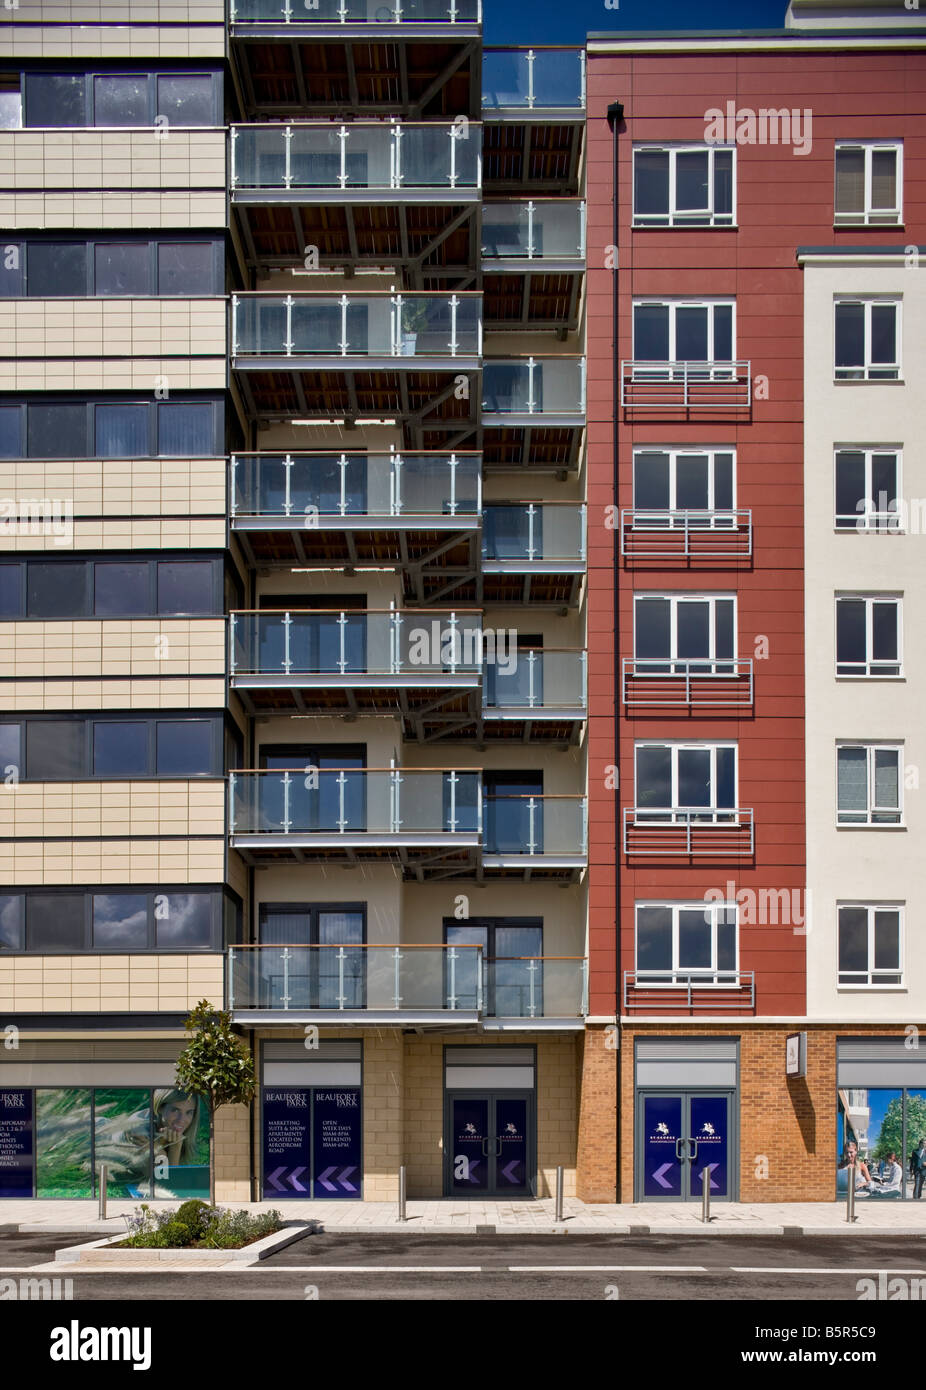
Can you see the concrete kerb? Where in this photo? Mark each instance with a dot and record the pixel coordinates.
(107, 1251)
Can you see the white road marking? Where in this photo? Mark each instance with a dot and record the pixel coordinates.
(789, 1269)
(607, 1269)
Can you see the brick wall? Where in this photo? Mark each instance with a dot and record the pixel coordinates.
(596, 1177)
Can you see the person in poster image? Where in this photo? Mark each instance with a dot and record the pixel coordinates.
(918, 1168)
(176, 1127)
(862, 1173)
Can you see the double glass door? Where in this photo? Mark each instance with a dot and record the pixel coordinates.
(489, 1144)
(680, 1135)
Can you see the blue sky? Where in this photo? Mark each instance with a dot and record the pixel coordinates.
(568, 21)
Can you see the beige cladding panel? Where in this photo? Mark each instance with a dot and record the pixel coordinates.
(82, 328)
(106, 983)
(26, 862)
(154, 647)
(107, 160)
(123, 534)
(102, 211)
(128, 12)
(24, 696)
(120, 374)
(109, 40)
(65, 810)
(119, 488)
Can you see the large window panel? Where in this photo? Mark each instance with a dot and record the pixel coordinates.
(187, 99)
(55, 922)
(122, 267)
(55, 99)
(121, 588)
(185, 587)
(186, 429)
(11, 747)
(120, 748)
(57, 430)
(187, 268)
(183, 920)
(12, 924)
(56, 268)
(11, 422)
(185, 747)
(56, 750)
(120, 921)
(121, 99)
(56, 589)
(121, 431)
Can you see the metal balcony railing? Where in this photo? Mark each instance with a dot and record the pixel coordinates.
(325, 158)
(533, 79)
(650, 534)
(538, 229)
(688, 830)
(686, 385)
(350, 12)
(548, 387)
(348, 326)
(695, 991)
(698, 683)
(538, 682)
(520, 534)
(311, 490)
(322, 647)
(404, 981)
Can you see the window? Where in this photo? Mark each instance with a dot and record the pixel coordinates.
(99, 428)
(684, 331)
(121, 99)
(318, 979)
(190, 267)
(56, 589)
(869, 784)
(868, 636)
(111, 266)
(868, 490)
(685, 480)
(683, 187)
(869, 181)
(680, 782)
(114, 746)
(684, 632)
(870, 945)
(122, 267)
(57, 268)
(681, 943)
(117, 587)
(867, 340)
(115, 919)
(512, 949)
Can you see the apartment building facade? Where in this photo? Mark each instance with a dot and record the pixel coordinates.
(767, 203)
(294, 632)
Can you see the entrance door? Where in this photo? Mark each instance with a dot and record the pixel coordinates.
(679, 1135)
(489, 1144)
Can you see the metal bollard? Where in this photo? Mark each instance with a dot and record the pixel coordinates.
(706, 1193)
(559, 1194)
(402, 1215)
(101, 1213)
(850, 1194)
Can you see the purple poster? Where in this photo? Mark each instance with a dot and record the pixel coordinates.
(336, 1118)
(16, 1143)
(286, 1120)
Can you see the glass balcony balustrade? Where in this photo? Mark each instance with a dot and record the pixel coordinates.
(365, 326)
(363, 157)
(305, 13)
(535, 230)
(533, 79)
(546, 387)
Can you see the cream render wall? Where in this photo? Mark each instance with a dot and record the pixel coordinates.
(865, 864)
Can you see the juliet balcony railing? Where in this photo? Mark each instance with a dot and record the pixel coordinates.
(392, 327)
(689, 991)
(368, 13)
(699, 683)
(533, 232)
(322, 160)
(551, 388)
(654, 832)
(325, 490)
(650, 534)
(686, 385)
(541, 684)
(533, 79)
(412, 982)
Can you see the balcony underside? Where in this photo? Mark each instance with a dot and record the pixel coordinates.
(539, 152)
(429, 233)
(390, 71)
(418, 858)
(545, 582)
(417, 699)
(540, 297)
(542, 447)
(422, 1020)
(423, 399)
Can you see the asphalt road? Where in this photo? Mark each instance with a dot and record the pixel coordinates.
(340, 1268)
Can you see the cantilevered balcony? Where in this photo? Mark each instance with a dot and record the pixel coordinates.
(541, 696)
(427, 820)
(364, 193)
(407, 15)
(535, 836)
(533, 552)
(548, 80)
(689, 831)
(533, 412)
(686, 386)
(690, 537)
(420, 512)
(533, 107)
(533, 262)
(407, 360)
(702, 684)
(685, 993)
(423, 665)
(417, 984)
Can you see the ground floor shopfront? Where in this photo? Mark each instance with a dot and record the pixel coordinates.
(719, 1098)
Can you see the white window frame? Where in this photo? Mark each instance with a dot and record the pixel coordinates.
(675, 813)
(673, 305)
(869, 215)
(676, 599)
(673, 517)
(673, 217)
(868, 674)
(682, 974)
(865, 977)
(868, 370)
(872, 808)
(866, 522)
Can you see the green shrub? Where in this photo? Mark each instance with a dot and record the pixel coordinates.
(196, 1225)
